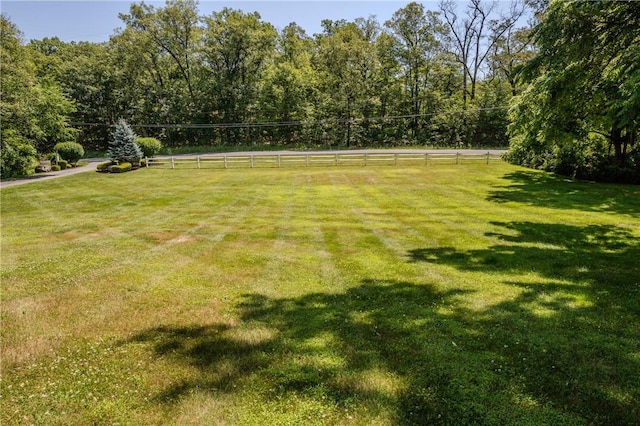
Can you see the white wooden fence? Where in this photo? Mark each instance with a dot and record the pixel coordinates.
(318, 159)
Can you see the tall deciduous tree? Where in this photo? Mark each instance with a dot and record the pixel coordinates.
(418, 33)
(346, 63)
(510, 51)
(87, 73)
(584, 80)
(173, 29)
(475, 34)
(287, 86)
(236, 49)
(35, 109)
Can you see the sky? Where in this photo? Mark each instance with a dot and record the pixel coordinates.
(96, 21)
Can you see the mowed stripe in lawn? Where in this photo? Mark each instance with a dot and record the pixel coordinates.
(363, 295)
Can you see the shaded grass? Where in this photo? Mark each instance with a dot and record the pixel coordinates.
(440, 295)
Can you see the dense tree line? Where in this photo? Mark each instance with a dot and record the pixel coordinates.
(354, 84)
(424, 77)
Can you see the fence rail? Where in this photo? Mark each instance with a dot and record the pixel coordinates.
(318, 160)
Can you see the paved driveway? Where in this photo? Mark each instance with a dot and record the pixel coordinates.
(51, 175)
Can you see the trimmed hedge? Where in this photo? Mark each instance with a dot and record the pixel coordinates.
(121, 168)
(103, 167)
(70, 151)
(150, 146)
(63, 164)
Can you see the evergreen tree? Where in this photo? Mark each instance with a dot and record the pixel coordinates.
(122, 146)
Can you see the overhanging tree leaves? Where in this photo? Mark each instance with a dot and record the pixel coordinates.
(584, 81)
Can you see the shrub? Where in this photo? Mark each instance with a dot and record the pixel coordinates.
(70, 151)
(18, 157)
(150, 146)
(53, 157)
(103, 167)
(55, 168)
(121, 168)
(63, 164)
(122, 146)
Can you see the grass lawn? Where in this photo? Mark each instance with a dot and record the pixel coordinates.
(471, 294)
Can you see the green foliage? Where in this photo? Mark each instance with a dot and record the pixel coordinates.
(70, 151)
(55, 168)
(34, 107)
(102, 167)
(121, 168)
(53, 157)
(17, 156)
(150, 146)
(51, 111)
(360, 82)
(122, 145)
(583, 81)
(237, 47)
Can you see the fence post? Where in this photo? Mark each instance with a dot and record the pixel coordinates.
(426, 158)
(225, 161)
(278, 160)
(251, 160)
(146, 161)
(395, 159)
(366, 158)
(307, 159)
(198, 158)
(457, 157)
(173, 163)
(336, 159)
(488, 157)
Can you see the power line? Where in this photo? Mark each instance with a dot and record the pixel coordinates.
(259, 124)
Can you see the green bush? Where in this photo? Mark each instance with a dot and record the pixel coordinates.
(63, 164)
(70, 151)
(585, 159)
(102, 167)
(53, 157)
(18, 157)
(150, 146)
(55, 168)
(121, 168)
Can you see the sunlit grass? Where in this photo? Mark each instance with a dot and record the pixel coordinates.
(483, 294)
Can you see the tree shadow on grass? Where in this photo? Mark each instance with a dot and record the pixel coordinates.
(549, 190)
(595, 258)
(424, 355)
(575, 335)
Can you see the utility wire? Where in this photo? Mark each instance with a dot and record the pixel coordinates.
(285, 123)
